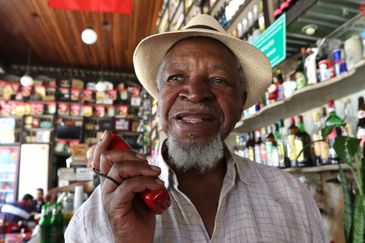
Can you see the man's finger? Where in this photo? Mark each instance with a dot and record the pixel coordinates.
(101, 147)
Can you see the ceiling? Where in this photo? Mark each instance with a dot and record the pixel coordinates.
(55, 35)
(328, 15)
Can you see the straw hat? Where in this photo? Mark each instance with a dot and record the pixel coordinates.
(151, 51)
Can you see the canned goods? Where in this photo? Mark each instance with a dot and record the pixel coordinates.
(337, 55)
(339, 62)
(326, 69)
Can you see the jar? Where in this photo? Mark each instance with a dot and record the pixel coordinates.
(353, 51)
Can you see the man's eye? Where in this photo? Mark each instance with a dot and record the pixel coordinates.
(175, 78)
(218, 81)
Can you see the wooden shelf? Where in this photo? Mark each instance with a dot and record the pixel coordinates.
(316, 169)
(305, 99)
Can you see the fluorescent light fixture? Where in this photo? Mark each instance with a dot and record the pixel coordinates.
(89, 36)
(310, 29)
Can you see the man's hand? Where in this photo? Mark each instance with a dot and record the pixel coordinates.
(128, 215)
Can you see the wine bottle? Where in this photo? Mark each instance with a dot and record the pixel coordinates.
(292, 154)
(258, 147)
(360, 128)
(251, 146)
(336, 123)
(280, 144)
(302, 146)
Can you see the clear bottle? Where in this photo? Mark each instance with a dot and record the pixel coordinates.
(258, 147)
(336, 122)
(263, 150)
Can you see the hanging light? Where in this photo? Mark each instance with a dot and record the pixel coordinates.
(26, 79)
(89, 36)
(100, 86)
(310, 29)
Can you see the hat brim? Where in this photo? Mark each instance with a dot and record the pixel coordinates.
(151, 51)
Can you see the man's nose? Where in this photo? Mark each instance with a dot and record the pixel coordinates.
(196, 91)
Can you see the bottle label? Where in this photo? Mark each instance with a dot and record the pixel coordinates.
(317, 145)
(291, 147)
(333, 134)
(361, 114)
(251, 154)
(257, 154)
(298, 149)
(360, 133)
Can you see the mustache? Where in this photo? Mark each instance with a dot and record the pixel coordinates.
(200, 107)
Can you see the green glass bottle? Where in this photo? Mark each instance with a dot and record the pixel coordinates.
(336, 122)
(44, 224)
(57, 224)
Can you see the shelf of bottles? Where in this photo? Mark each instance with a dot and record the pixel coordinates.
(68, 111)
(302, 85)
(289, 144)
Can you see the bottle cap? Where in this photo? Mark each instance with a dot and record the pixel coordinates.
(331, 103)
(292, 120)
(300, 118)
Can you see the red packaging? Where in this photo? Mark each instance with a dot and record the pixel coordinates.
(63, 108)
(100, 111)
(75, 93)
(75, 109)
(123, 110)
(113, 94)
(87, 95)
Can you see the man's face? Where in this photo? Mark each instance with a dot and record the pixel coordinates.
(200, 94)
(39, 194)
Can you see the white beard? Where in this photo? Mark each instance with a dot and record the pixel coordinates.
(188, 156)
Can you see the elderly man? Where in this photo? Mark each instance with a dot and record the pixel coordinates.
(203, 79)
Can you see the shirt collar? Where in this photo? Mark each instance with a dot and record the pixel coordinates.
(235, 165)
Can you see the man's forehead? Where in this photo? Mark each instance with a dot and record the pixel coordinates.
(198, 40)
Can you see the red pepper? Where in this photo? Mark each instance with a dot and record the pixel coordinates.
(158, 200)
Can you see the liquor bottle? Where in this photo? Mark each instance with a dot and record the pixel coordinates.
(271, 148)
(281, 148)
(336, 122)
(251, 146)
(57, 224)
(44, 224)
(300, 77)
(320, 157)
(360, 128)
(258, 147)
(302, 142)
(292, 154)
(263, 147)
(350, 119)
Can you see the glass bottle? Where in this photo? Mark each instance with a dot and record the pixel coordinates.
(44, 224)
(280, 145)
(251, 146)
(57, 224)
(292, 154)
(302, 142)
(336, 122)
(319, 157)
(258, 147)
(360, 128)
(263, 147)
